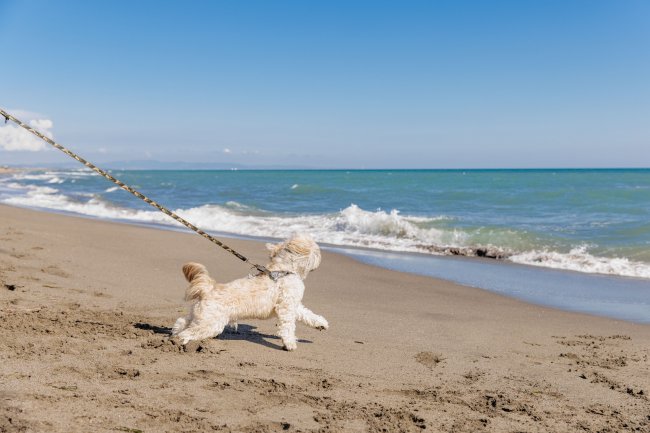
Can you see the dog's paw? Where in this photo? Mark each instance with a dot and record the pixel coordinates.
(179, 326)
(290, 346)
(184, 337)
(233, 327)
(323, 325)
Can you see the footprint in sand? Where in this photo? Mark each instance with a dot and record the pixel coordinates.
(54, 270)
(429, 359)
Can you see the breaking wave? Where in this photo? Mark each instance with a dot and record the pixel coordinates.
(580, 260)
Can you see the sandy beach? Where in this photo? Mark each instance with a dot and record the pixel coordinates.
(87, 307)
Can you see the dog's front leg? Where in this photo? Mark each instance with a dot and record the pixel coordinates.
(287, 325)
(309, 318)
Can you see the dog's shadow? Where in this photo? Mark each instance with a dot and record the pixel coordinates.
(244, 332)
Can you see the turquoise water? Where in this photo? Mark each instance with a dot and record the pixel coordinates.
(594, 221)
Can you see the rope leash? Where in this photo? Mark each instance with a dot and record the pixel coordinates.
(273, 275)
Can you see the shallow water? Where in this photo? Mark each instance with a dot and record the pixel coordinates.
(615, 297)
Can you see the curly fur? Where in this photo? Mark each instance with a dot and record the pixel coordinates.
(216, 305)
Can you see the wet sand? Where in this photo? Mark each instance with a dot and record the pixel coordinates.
(86, 308)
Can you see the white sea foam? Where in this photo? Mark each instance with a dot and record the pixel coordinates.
(578, 259)
(351, 226)
(354, 219)
(236, 205)
(81, 172)
(28, 176)
(16, 185)
(50, 198)
(111, 189)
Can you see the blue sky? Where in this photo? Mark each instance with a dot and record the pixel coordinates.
(347, 84)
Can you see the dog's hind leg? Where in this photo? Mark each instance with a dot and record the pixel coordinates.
(181, 324)
(308, 317)
(201, 331)
(207, 321)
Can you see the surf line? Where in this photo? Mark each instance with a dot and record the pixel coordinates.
(262, 269)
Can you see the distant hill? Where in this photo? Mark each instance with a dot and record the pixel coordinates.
(148, 164)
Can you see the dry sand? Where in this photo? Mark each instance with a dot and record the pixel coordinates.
(86, 308)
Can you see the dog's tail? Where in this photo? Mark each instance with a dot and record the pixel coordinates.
(200, 281)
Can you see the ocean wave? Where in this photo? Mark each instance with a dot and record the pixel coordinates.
(390, 224)
(30, 176)
(50, 198)
(52, 177)
(238, 206)
(81, 172)
(578, 259)
(352, 226)
(56, 179)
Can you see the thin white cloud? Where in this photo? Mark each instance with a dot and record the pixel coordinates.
(14, 138)
(227, 151)
(25, 115)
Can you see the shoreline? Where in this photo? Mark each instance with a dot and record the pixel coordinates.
(87, 306)
(615, 297)
(582, 292)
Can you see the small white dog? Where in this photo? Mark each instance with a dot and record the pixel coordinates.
(254, 297)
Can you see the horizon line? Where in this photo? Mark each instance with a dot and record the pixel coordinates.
(271, 168)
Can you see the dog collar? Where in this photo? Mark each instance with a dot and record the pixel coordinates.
(273, 275)
(276, 275)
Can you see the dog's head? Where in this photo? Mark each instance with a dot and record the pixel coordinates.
(299, 254)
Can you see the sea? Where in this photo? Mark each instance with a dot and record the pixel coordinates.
(577, 239)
